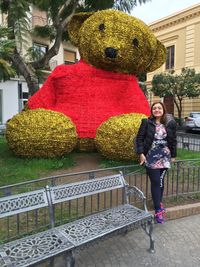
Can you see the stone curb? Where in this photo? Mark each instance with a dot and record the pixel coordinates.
(181, 211)
(177, 212)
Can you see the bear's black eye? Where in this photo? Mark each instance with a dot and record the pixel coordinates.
(102, 27)
(135, 42)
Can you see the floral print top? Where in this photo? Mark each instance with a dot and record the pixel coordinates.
(159, 156)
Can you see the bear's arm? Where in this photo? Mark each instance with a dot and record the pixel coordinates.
(45, 97)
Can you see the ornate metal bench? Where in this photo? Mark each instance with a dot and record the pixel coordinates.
(67, 238)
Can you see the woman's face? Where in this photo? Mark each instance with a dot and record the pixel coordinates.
(157, 110)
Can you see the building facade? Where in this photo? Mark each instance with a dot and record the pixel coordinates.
(180, 33)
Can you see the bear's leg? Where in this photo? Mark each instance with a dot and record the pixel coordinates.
(115, 137)
(41, 133)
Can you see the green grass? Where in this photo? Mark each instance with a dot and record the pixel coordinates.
(182, 200)
(108, 163)
(14, 169)
(183, 154)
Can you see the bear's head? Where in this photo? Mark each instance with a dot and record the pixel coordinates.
(113, 40)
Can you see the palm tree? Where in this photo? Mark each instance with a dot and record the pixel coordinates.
(6, 49)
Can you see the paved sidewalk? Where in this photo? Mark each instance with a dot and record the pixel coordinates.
(177, 245)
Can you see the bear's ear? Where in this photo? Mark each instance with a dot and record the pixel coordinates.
(159, 57)
(74, 25)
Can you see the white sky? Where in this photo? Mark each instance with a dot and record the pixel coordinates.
(157, 9)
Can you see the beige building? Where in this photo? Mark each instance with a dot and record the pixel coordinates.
(180, 33)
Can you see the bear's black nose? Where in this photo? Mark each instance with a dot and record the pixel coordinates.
(111, 52)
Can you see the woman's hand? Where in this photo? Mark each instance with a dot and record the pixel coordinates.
(173, 160)
(142, 159)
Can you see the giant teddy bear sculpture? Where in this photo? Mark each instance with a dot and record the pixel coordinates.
(97, 102)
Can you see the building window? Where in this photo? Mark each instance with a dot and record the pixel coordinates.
(1, 106)
(170, 57)
(69, 57)
(39, 50)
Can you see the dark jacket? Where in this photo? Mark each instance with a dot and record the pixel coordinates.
(146, 134)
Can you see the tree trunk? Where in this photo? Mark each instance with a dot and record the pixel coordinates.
(51, 53)
(28, 74)
(169, 104)
(179, 109)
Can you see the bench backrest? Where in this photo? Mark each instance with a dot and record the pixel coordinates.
(76, 190)
(47, 197)
(23, 202)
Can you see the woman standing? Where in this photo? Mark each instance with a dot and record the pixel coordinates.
(156, 146)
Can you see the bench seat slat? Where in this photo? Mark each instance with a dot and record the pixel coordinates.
(74, 234)
(97, 225)
(35, 248)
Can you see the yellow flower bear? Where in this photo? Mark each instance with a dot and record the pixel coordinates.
(97, 102)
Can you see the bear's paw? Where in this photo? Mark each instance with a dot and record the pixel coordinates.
(41, 133)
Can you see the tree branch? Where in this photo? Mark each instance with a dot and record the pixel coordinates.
(26, 71)
(65, 21)
(51, 52)
(177, 106)
(55, 48)
(63, 7)
(57, 20)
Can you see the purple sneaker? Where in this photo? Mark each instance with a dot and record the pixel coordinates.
(159, 216)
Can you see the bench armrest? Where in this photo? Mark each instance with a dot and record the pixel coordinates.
(133, 190)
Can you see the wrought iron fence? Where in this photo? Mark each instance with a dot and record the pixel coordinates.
(188, 141)
(182, 179)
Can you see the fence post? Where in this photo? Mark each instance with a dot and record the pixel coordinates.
(177, 177)
(91, 175)
(51, 207)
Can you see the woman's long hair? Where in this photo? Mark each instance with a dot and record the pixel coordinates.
(163, 119)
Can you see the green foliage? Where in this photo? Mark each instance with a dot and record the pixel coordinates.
(6, 46)
(6, 71)
(43, 4)
(143, 87)
(6, 49)
(19, 20)
(127, 5)
(34, 53)
(179, 121)
(90, 5)
(46, 31)
(142, 79)
(183, 154)
(185, 84)
(107, 163)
